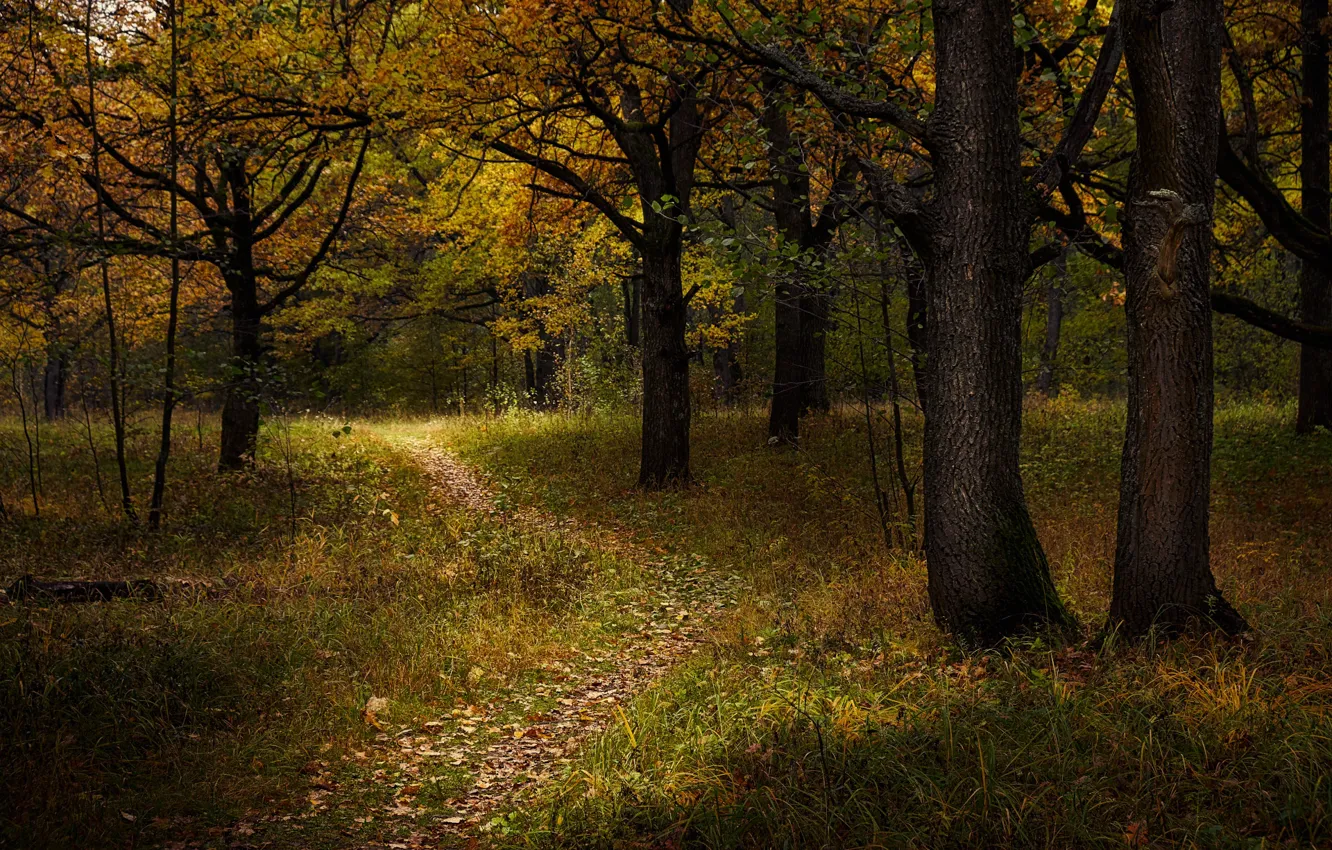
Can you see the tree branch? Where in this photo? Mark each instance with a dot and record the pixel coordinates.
(1296, 233)
(630, 228)
(1273, 322)
(1052, 172)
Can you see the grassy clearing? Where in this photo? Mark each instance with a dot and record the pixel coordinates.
(831, 713)
(198, 717)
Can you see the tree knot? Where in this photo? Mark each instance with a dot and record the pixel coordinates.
(1179, 216)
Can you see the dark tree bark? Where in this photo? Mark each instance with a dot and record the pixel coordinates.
(173, 297)
(1054, 320)
(661, 155)
(115, 376)
(988, 576)
(543, 362)
(240, 411)
(529, 375)
(916, 328)
(791, 210)
(666, 403)
(726, 374)
(726, 371)
(55, 376)
(631, 289)
(235, 228)
(1163, 578)
(1315, 395)
(814, 305)
(784, 411)
(801, 305)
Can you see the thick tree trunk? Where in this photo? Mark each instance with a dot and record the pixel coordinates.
(988, 576)
(800, 340)
(1163, 577)
(1315, 404)
(1054, 321)
(665, 459)
(240, 411)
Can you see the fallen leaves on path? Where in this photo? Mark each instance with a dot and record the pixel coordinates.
(586, 695)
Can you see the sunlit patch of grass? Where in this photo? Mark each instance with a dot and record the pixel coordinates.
(830, 712)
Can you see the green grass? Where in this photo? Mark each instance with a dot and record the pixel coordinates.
(136, 721)
(828, 712)
(831, 713)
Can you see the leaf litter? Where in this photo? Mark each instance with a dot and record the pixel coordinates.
(502, 750)
(673, 622)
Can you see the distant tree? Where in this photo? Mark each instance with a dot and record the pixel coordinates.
(801, 300)
(269, 162)
(620, 109)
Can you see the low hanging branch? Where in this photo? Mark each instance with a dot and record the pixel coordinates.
(1268, 320)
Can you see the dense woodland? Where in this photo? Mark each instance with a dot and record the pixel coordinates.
(972, 356)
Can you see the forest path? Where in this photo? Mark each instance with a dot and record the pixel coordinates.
(674, 618)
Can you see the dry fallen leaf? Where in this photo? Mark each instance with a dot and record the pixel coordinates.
(373, 706)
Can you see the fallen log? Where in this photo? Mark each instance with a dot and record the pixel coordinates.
(28, 587)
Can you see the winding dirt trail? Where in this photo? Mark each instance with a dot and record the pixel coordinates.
(684, 603)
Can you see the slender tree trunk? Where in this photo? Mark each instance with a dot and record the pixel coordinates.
(918, 312)
(529, 375)
(55, 376)
(790, 197)
(988, 576)
(494, 371)
(240, 411)
(784, 413)
(1315, 404)
(814, 307)
(665, 459)
(541, 373)
(796, 313)
(547, 364)
(434, 388)
(631, 288)
(116, 378)
(907, 484)
(173, 298)
(1163, 577)
(726, 363)
(17, 385)
(1054, 320)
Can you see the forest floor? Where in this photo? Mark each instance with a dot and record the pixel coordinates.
(477, 632)
(668, 621)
